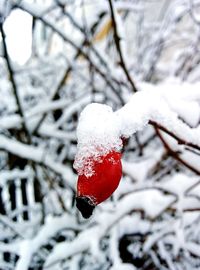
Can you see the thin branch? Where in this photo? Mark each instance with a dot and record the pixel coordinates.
(79, 49)
(191, 13)
(178, 139)
(37, 156)
(119, 49)
(61, 84)
(175, 155)
(9, 224)
(13, 82)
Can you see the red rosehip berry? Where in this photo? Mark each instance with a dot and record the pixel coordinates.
(100, 185)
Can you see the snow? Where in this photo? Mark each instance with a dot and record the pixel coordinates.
(18, 27)
(65, 250)
(139, 170)
(151, 105)
(158, 198)
(123, 266)
(81, 101)
(100, 129)
(7, 122)
(38, 155)
(5, 176)
(5, 8)
(51, 131)
(179, 183)
(193, 248)
(28, 247)
(98, 134)
(151, 202)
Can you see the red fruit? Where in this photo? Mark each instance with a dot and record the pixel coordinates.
(100, 186)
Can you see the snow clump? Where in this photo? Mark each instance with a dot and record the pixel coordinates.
(98, 133)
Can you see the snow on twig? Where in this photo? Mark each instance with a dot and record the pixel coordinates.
(36, 154)
(29, 246)
(100, 129)
(88, 240)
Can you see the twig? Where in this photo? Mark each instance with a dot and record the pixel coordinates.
(178, 139)
(191, 13)
(36, 155)
(119, 49)
(14, 85)
(79, 49)
(175, 155)
(61, 84)
(7, 223)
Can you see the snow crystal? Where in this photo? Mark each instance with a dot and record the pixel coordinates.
(98, 134)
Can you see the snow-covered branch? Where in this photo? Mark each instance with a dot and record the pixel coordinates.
(100, 129)
(97, 52)
(37, 155)
(90, 239)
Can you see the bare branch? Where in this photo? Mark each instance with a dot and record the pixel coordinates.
(118, 46)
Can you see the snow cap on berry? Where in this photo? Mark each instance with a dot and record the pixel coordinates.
(98, 133)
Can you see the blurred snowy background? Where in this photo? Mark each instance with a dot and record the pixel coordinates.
(57, 56)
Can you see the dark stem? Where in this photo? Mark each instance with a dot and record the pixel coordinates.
(178, 139)
(13, 82)
(175, 154)
(79, 49)
(119, 49)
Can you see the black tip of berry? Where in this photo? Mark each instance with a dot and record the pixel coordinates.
(85, 206)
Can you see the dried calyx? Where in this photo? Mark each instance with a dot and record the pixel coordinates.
(85, 205)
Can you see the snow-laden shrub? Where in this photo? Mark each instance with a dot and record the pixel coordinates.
(139, 61)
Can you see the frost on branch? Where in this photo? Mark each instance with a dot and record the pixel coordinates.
(100, 52)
